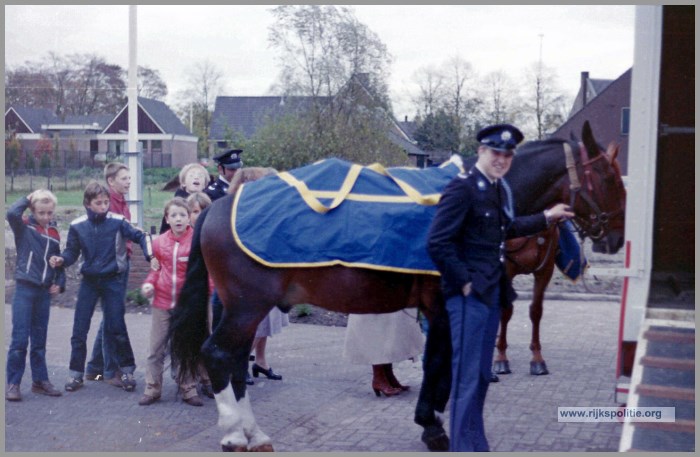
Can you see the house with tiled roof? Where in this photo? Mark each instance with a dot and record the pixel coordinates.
(245, 115)
(605, 104)
(89, 140)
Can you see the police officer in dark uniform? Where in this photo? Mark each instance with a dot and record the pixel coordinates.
(467, 238)
(227, 163)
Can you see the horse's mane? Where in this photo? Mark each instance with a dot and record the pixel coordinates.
(248, 174)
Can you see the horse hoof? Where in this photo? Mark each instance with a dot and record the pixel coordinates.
(538, 368)
(435, 438)
(501, 367)
(267, 447)
(234, 448)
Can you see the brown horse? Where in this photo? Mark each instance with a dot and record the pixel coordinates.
(249, 289)
(536, 255)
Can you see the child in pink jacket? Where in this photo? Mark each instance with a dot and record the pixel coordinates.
(171, 249)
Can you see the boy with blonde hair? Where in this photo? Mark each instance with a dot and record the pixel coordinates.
(36, 240)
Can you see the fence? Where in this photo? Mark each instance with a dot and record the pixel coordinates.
(75, 160)
(27, 180)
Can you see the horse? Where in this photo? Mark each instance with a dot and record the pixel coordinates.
(249, 289)
(534, 255)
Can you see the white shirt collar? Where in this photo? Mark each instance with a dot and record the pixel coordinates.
(485, 175)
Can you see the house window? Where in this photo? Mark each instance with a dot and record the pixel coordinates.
(115, 147)
(94, 146)
(625, 127)
(144, 145)
(156, 145)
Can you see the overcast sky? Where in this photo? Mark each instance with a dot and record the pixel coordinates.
(597, 39)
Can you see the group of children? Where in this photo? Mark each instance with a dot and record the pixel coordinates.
(102, 237)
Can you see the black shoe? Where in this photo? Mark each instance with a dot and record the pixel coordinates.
(269, 373)
(207, 390)
(248, 379)
(74, 384)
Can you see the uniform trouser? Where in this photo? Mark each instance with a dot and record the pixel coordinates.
(155, 363)
(109, 290)
(30, 322)
(473, 325)
(96, 364)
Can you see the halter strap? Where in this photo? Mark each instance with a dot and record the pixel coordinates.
(574, 183)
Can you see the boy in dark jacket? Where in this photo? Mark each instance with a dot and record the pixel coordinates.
(36, 241)
(100, 236)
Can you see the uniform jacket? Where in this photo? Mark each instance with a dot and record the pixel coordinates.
(172, 254)
(217, 189)
(101, 239)
(118, 205)
(467, 236)
(35, 245)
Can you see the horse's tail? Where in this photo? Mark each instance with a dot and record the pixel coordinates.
(189, 321)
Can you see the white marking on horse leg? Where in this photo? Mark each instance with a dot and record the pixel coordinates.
(256, 437)
(230, 418)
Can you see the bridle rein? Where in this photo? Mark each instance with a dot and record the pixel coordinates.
(596, 226)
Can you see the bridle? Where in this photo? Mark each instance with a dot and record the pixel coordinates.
(596, 226)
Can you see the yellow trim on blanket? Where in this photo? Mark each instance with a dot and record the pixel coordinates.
(311, 197)
(262, 261)
(312, 201)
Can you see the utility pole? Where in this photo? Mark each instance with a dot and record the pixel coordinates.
(134, 154)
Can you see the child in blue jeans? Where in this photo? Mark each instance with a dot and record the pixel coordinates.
(36, 241)
(100, 236)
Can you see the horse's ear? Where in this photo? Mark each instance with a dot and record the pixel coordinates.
(612, 151)
(589, 141)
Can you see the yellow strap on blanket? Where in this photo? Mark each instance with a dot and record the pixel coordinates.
(311, 197)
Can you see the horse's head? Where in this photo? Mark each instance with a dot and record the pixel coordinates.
(599, 200)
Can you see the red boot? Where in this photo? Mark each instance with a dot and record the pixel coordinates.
(380, 383)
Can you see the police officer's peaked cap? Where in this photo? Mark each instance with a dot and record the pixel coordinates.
(502, 137)
(230, 158)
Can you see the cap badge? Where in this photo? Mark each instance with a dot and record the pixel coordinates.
(506, 135)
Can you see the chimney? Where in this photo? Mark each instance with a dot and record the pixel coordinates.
(405, 118)
(584, 87)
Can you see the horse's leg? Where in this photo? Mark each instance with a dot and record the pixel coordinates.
(501, 365)
(225, 356)
(542, 278)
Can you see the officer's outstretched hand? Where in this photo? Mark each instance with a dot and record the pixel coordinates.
(558, 212)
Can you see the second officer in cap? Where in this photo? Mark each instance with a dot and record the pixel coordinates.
(227, 163)
(467, 238)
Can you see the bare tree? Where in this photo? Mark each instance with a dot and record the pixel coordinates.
(321, 47)
(29, 86)
(150, 84)
(502, 102)
(326, 54)
(431, 90)
(204, 84)
(545, 106)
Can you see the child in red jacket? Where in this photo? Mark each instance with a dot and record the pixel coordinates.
(171, 249)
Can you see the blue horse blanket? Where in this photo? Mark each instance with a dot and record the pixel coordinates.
(334, 212)
(570, 258)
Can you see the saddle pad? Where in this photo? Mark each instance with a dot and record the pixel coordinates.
(334, 212)
(570, 258)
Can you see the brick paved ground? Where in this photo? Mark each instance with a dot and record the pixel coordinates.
(324, 404)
